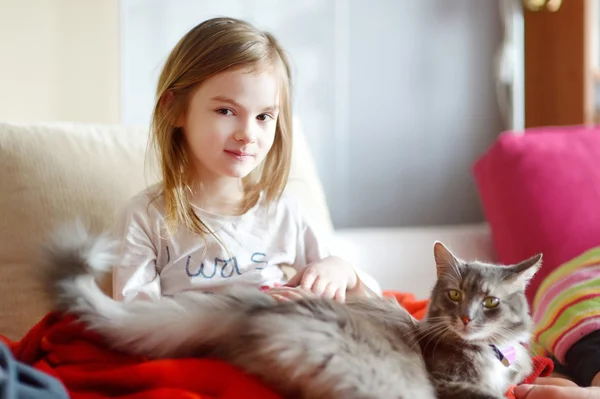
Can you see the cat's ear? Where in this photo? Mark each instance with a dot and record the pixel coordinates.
(524, 271)
(446, 263)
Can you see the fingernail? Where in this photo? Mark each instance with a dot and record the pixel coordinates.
(522, 390)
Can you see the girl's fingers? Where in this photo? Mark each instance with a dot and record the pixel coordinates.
(554, 381)
(296, 279)
(340, 295)
(295, 295)
(280, 298)
(555, 392)
(330, 291)
(289, 293)
(319, 286)
(304, 293)
(308, 279)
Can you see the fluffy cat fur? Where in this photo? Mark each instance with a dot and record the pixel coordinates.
(316, 348)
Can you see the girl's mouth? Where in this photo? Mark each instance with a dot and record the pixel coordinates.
(239, 155)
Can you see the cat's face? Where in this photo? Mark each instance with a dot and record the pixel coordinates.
(481, 302)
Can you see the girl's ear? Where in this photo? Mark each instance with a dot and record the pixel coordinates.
(166, 102)
(181, 120)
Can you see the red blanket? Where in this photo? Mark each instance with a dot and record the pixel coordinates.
(61, 347)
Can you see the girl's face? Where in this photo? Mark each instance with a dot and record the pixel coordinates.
(230, 123)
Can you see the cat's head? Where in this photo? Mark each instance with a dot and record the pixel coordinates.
(481, 302)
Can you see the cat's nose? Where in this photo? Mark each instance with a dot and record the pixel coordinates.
(465, 319)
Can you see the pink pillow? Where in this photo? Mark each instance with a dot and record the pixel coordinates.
(540, 192)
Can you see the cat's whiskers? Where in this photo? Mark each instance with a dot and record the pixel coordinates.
(433, 324)
(435, 319)
(497, 337)
(436, 331)
(504, 333)
(422, 335)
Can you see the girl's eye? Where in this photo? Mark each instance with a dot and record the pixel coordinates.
(491, 302)
(224, 111)
(264, 117)
(455, 295)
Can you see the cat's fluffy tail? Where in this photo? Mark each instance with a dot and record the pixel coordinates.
(169, 327)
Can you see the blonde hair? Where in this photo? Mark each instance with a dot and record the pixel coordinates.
(215, 46)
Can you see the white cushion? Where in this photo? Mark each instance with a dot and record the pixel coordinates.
(52, 173)
(401, 258)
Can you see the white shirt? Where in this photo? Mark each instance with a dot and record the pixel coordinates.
(153, 263)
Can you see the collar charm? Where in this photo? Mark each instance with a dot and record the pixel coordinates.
(505, 354)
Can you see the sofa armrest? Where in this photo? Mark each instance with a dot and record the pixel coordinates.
(401, 259)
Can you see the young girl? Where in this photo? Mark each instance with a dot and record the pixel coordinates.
(222, 130)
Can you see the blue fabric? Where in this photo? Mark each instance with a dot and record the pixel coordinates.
(21, 381)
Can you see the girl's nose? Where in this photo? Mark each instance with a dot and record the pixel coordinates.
(245, 133)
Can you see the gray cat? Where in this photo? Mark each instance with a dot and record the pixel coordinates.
(468, 346)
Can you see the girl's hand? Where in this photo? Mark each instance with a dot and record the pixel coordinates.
(286, 294)
(555, 392)
(327, 278)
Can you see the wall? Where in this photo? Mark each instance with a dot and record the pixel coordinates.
(422, 107)
(59, 60)
(397, 98)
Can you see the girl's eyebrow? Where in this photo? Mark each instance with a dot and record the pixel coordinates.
(272, 108)
(222, 99)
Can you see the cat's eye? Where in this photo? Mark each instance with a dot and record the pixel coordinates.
(491, 302)
(455, 295)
